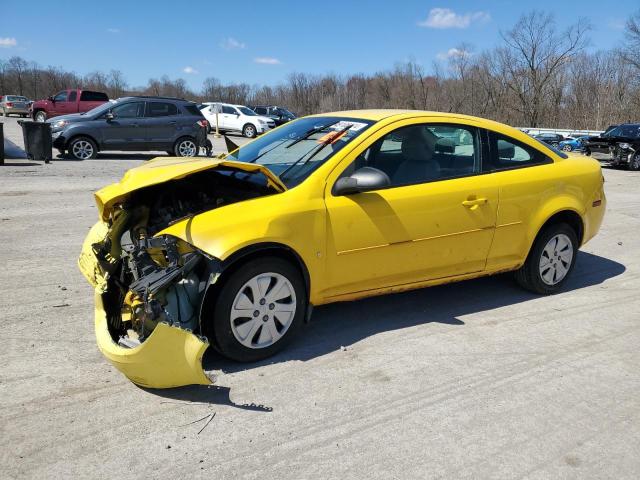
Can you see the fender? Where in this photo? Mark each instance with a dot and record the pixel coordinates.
(555, 205)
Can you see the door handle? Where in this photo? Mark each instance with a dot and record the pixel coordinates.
(473, 203)
(173, 123)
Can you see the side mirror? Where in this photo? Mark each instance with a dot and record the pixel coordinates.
(109, 116)
(362, 180)
(50, 99)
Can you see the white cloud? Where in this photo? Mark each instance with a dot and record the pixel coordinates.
(267, 60)
(113, 30)
(8, 42)
(447, 18)
(190, 70)
(453, 53)
(231, 43)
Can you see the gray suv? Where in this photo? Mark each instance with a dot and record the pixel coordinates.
(131, 124)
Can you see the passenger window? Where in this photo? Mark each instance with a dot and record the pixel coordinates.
(260, 110)
(60, 97)
(230, 110)
(129, 110)
(508, 153)
(72, 96)
(423, 153)
(161, 109)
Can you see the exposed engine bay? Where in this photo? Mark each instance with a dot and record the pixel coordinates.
(154, 279)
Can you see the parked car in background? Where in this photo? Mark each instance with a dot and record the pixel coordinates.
(573, 144)
(14, 105)
(66, 102)
(326, 208)
(131, 123)
(278, 114)
(552, 139)
(605, 142)
(236, 118)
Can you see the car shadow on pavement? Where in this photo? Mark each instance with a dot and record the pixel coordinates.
(112, 156)
(340, 325)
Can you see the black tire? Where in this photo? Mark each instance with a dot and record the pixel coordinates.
(587, 152)
(170, 153)
(82, 148)
(220, 325)
(249, 130)
(529, 275)
(184, 145)
(634, 164)
(40, 116)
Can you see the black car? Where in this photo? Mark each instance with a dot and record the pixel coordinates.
(624, 146)
(278, 114)
(133, 124)
(605, 141)
(552, 139)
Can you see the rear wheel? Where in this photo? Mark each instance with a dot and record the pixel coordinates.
(83, 148)
(259, 309)
(550, 260)
(567, 148)
(249, 131)
(634, 164)
(185, 147)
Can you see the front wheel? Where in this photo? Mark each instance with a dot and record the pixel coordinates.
(550, 260)
(185, 147)
(83, 148)
(259, 309)
(634, 164)
(40, 116)
(567, 148)
(249, 131)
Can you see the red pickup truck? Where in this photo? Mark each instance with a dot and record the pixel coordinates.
(65, 102)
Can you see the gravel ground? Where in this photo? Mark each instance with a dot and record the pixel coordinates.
(471, 380)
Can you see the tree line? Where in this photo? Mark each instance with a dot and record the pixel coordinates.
(537, 76)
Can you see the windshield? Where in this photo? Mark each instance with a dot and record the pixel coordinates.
(286, 113)
(247, 111)
(101, 108)
(631, 131)
(296, 149)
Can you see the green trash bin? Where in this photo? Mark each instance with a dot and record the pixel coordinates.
(37, 140)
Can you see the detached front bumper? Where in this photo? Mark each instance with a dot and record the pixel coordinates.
(169, 357)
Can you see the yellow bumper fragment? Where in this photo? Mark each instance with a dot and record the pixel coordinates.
(169, 357)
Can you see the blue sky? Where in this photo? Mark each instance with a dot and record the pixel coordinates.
(262, 42)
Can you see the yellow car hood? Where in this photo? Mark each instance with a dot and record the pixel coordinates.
(164, 169)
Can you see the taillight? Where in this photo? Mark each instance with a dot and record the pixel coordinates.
(202, 123)
(9, 104)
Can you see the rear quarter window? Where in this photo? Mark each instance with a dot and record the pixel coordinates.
(192, 110)
(89, 96)
(161, 109)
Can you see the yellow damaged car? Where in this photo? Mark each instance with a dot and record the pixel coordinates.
(234, 251)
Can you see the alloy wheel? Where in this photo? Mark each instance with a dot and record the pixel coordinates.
(82, 149)
(556, 259)
(187, 148)
(249, 131)
(567, 148)
(263, 310)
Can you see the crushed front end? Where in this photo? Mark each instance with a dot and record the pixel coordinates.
(149, 287)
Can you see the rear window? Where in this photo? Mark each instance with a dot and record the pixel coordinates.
(193, 110)
(161, 109)
(14, 98)
(89, 96)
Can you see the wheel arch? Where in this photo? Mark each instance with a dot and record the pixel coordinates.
(567, 215)
(245, 254)
(82, 134)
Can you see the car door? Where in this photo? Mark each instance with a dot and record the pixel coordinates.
(60, 104)
(230, 118)
(161, 122)
(126, 131)
(436, 219)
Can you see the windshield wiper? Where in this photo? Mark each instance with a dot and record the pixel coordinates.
(315, 150)
(308, 133)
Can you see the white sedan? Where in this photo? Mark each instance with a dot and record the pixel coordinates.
(236, 118)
